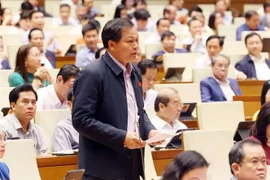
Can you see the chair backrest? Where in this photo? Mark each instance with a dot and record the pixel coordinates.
(20, 157)
(220, 115)
(238, 21)
(176, 29)
(47, 120)
(229, 47)
(150, 171)
(53, 73)
(65, 40)
(142, 37)
(151, 49)
(207, 7)
(229, 31)
(186, 60)
(4, 96)
(12, 53)
(150, 111)
(4, 75)
(12, 39)
(202, 73)
(255, 7)
(214, 145)
(263, 34)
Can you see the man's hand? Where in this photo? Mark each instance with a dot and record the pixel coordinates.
(132, 141)
(241, 75)
(153, 133)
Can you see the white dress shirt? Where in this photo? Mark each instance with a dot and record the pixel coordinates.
(58, 22)
(261, 68)
(203, 61)
(198, 48)
(162, 125)
(150, 98)
(154, 38)
(226, 89)
(48, 99)
(44, 60)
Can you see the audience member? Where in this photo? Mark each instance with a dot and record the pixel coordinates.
(90, 9)
(65, 137)
(120, 12)
(215, 19)
(168, 106)
(26, 7)
(129, 5)
(24, 23)
(254, 65)
(252, 24)
(220, 7)
(163, 25)
(196, 40)
(4, 170)
(206, 30)
(169, 12)
(54, 96)
(65, 19)
(168, 43)
(219, 87)
(141, 20)
(37, 7)
(80, 11)
(247, 161)
(180, 6)
(140, 4)
(149, 74)
(87, 55)
(195, 11)
(19, 124)
(36, 38)
(28, 68)
(187, 165)
(265, 97)
(6, 17)
(100, 52)
(265, 21)
(4, 64)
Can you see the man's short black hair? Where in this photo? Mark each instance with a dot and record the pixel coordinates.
(250, 13)
(33, 12)
(15, 93)
(34, 29)
(161, 19)
(89, 27)
(70, 95)
(195, 8)
(251, 35)
(220, 39)
(143, 65)
(166, 34)
(112, 30)
(67, 71)
(139, 1)
(64, 5)
(141, 14)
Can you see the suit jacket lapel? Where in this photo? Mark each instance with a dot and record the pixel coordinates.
(217, 87)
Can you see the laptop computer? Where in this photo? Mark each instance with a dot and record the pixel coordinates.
(74, 174)
(187, 110)
(71, 50)
(174, 74)
(242, 131)
(176, 141)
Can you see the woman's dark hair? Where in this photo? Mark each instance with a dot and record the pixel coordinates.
(258, 130)
(266, 87)
(118, 10)
(22, 53)
(211, 21)
(183, 163)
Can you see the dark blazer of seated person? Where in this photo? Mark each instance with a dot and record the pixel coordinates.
(51, 57)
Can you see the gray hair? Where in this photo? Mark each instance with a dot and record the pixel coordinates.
(214, 59)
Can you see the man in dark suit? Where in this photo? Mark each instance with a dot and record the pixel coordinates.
(219, 87)
(108, 108)
(254, 65)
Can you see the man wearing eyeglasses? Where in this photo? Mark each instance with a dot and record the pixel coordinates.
(168, 106)
(247, 160)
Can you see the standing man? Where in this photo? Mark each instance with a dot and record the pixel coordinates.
(108, 108)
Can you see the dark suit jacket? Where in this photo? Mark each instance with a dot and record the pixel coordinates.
(247, 66)
(211, 91)
(51, 57)
(100, 116)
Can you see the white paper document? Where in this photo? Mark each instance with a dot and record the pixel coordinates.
(162, 136)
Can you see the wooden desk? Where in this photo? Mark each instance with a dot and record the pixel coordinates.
(56, 167)
(190, 123)
(62, 60)
(251, 103)
(251, 87)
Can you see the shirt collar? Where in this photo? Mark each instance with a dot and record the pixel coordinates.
(160, 123)
(53, 96)
(18, 125)
(127, 70)
(254, 59)
(222, 83)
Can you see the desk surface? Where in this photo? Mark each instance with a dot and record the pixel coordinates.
(50, 160)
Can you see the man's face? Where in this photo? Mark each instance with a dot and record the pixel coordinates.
(25, 107)
(169, 44)
(34, 2)
(140, 5)
(164, 25)
(80, 12)
(65, 13)
(195, 28)
(37, 20)
(253, 165)
(173, 109)
(25, 24)
(220, 68)
(149, 79)
(254, 45)
(127, 49)
(172, 14)
(267, 10)
(65, 86)
(141, 24)
(88, 4)
(253, 22)
(213, 47)
(37, 39)
(221, 7)
(228, 3)
(91, 39)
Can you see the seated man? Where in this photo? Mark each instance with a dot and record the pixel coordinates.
(54, 96)
(219, 87)
(141, 20)
(19, 124)
(65, 137)
(162, 25)
(168, 43)
(4, 64)
(196, 40)
(65, 19)
(265, 19)
(90, 9)
(252, 24)
(90, 36)
(254, 65)
(247, 160)
(169, 12)
(168, 108)
(36, 38)
(149, 74)
(221, 7)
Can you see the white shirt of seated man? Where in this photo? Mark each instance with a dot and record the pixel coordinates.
(168, 106)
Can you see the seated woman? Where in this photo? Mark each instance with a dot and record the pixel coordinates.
(187, 165)
(4, 171)
(215, 19)
(28, 68)
(265, 97)
(261, 129)
(6, 17)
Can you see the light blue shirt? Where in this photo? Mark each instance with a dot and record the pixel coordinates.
(84, 57)
(244, 27)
